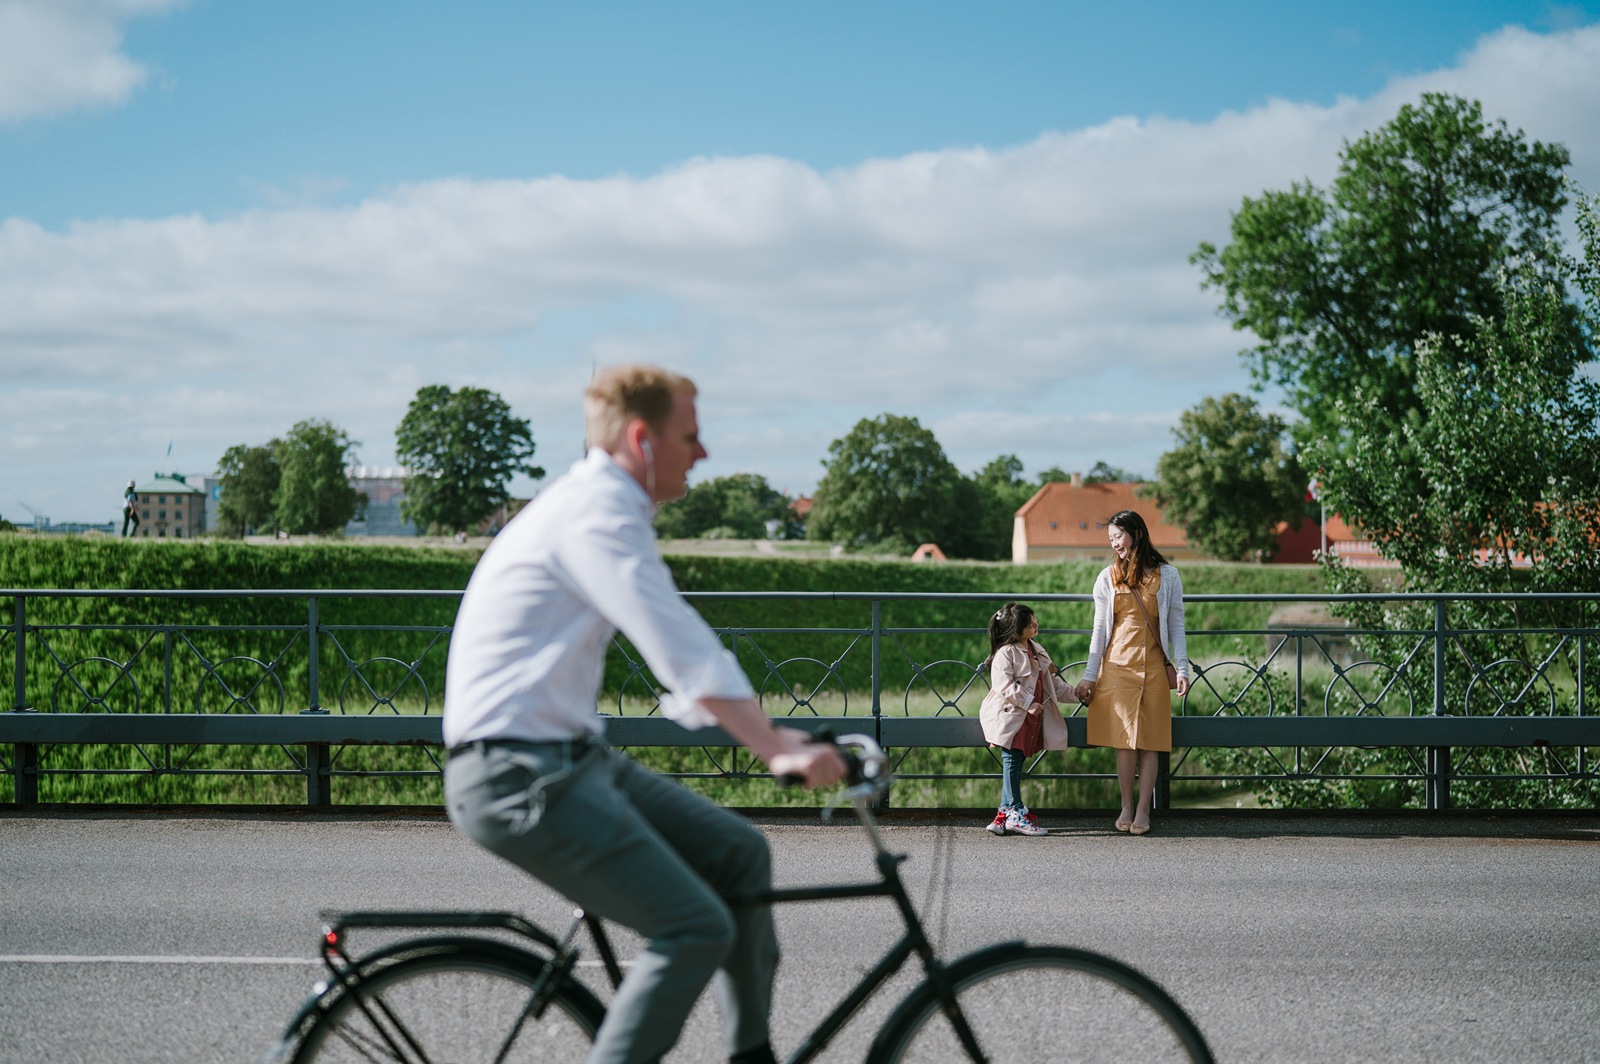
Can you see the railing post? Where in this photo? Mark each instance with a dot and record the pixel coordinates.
(24, 756)
(313, 648)
(19, 635)
(1439, 624)
(882, 801)
(877, 659)
(319, 779)
(1439, 769)
(166, 668)
(25, 774)
(319, 760)
(1583, 751)
(1162, 798)
(1437, 787)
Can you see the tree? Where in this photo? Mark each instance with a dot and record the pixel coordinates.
(314, 493)
(988, 503)
(1339, 287)
(887, 482)
(249, 481)
(732, 507)
(1507, 451)
(1105, 473)
(461, 450)
(1508, 447)
(1230, 481)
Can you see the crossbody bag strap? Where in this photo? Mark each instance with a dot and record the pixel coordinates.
(1139, 601)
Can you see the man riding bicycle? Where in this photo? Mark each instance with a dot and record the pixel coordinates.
(530, 777)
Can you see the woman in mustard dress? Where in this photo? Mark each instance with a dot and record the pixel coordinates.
(1137, 656)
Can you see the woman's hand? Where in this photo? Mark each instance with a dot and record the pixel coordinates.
(1183, 685)
(1036, 709)
(1084, 691)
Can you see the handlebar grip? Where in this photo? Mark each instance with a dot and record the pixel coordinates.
(853, 771)
(854, 764)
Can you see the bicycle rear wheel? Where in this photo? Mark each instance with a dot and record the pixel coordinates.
(462, 1006)
(1043, 1004)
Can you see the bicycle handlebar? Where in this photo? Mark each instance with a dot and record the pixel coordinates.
(866, 765)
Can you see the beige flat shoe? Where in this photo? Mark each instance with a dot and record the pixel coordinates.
(1124, 825)
(1138, 829)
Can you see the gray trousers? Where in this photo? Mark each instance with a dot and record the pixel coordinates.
(639, 850)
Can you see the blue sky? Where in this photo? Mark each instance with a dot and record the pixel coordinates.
(219, 218)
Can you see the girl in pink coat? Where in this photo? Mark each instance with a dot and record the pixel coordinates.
(1021, 713)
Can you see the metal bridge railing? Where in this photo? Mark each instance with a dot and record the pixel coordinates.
(304, 677)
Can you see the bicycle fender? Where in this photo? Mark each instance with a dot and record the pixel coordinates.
(923, 994)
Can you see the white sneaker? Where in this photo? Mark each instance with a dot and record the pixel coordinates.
(998, 824)
(1024, 824)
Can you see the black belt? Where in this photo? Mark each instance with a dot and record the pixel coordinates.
(482, 746)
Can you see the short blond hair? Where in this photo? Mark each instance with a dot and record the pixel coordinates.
(620, 394)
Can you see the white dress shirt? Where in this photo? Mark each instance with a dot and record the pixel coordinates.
(579, 563)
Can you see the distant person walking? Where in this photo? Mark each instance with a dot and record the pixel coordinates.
(1021, 713)
(130, 510)
(1138, 656)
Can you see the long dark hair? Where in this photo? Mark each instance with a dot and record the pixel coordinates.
(1006, 626)
(1135, 567)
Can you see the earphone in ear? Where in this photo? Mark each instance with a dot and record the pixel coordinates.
(650, 468)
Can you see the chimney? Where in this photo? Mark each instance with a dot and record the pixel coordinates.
(1077, 480)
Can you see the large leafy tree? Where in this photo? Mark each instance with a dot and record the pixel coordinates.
(1508, 447)
(461, 448)
(887, 482)
(1339, 286)
(987, 503)
(1507, 452)
(1230, 480)
(314, 493)
(732, 507)
(249, 480)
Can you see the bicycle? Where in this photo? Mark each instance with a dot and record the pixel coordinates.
(459, 995)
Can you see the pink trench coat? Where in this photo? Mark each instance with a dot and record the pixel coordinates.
(1011, 687)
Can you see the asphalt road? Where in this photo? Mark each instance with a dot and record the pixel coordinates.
(191, 937)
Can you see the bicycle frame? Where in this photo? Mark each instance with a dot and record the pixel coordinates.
(913, 942)
(348, 972)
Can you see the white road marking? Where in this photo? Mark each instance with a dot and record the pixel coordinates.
(67, 958)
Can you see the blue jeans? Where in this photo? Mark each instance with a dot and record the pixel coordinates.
(1011, 779)
(643, 851)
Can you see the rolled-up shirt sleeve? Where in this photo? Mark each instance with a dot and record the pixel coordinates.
(615, 564)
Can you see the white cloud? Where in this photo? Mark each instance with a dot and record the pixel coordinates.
(58, 55)
(1034, 299)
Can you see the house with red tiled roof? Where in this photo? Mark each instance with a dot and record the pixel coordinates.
(1352, 547)
(1066, 521)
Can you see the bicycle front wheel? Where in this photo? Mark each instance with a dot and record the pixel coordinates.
(462, 1007)
(1043, 1004)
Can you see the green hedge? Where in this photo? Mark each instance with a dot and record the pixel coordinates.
(28, 562)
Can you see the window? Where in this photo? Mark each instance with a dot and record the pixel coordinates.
(178, 533)
(177, 515)
(162, 499)
(161, 515)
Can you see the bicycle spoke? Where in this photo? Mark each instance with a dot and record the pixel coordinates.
(1046, 1004)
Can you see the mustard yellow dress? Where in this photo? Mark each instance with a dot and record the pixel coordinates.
(1132, 705)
